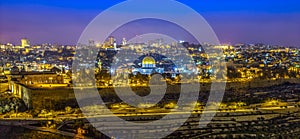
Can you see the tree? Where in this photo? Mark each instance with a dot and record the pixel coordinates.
(7, 108)
(68, 109)
(44, 111)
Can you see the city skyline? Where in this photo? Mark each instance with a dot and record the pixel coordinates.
(269, 22)
(149, 69)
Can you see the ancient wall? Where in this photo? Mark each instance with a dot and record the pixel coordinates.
(53, 98)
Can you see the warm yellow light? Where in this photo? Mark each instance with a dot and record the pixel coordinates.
(148, 60)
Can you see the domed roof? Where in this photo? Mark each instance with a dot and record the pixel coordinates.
(148, 60)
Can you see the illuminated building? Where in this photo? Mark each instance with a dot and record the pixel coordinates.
(148, 62)
(37, 78)
(111, 40)
(110, 43)
(25, 43)
(148, 67)
(124, 41)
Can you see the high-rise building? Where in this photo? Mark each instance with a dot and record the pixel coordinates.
(111, 40)
(25, 43)
(124, 41)
(92, 43)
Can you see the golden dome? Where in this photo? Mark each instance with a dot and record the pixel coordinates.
(148, 61)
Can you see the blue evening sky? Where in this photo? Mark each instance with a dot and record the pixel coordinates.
(234, 21)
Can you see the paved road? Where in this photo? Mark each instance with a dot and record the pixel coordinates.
(126, 114)
(55, 131)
